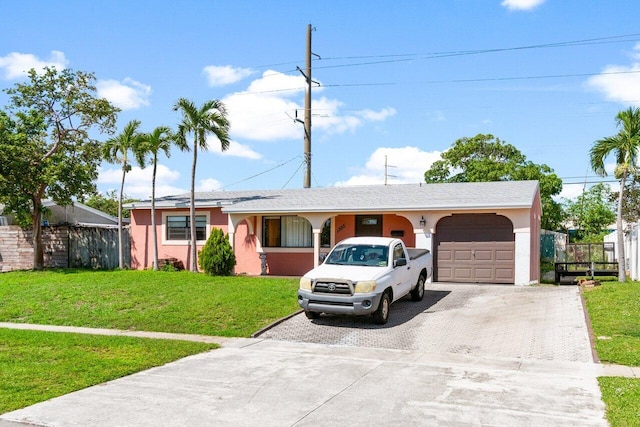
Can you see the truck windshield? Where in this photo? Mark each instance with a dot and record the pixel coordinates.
(368, 255)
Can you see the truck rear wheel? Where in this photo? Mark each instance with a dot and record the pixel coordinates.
(417, 294)
(381, 315)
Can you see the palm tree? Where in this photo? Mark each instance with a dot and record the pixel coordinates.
(210, 118)
(161, 139)
(116, 150)
(624, 145)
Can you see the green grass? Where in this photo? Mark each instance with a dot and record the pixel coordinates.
(36, 366)
(622, 397)
(614, 310)
(147, 300)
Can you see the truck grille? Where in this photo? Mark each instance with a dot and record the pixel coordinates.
(336, 288)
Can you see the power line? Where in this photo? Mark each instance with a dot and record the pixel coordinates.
(407, 57)
(261, 173)
(583, 42)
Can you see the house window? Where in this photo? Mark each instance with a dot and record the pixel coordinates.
(325, 235)
(286, 232)
(179, 227)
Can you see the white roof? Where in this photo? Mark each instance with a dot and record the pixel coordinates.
(407, 197)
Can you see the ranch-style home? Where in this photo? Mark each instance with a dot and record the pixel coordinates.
(486, 232)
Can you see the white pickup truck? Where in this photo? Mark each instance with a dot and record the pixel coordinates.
(364, 275)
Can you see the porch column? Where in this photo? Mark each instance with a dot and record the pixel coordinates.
(316, 246)
(424, 240)
(231, 231)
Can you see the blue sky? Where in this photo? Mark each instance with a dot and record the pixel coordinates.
(401, 79)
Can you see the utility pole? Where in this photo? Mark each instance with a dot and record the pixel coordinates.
(307, 110)
(307, 115)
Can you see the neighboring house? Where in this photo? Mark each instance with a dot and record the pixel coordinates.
(478, 232)
(73, 214)
(73, 236)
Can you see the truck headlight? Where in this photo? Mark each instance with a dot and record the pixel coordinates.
(365, 287)
(305, 283)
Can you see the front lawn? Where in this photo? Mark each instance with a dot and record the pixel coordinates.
(614, 309)
(182, 302)
(36, 366)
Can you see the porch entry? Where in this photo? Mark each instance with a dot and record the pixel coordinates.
(369, 225)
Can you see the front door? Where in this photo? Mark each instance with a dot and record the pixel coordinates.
(369, 225)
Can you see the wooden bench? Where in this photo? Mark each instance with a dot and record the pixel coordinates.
(575, 269)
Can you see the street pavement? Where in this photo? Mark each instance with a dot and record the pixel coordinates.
(467, 355)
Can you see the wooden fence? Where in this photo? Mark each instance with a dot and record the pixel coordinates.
(64, 246)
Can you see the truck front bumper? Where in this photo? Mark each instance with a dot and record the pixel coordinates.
(357, 304)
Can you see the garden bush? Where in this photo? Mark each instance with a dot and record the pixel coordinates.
(216, 257)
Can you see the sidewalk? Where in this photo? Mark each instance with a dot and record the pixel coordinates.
(264, 382)
(606, 370)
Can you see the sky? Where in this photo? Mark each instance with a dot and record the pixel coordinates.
(395, 82)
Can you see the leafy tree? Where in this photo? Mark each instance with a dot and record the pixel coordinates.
(217, 257)
(161, 139)
(47, 144)
(591, 213)
(624, 146)
(485, 158)
(116, 150)
(108, 203)
(210, 118)
(630, 199)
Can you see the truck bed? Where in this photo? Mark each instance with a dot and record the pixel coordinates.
(416, 252)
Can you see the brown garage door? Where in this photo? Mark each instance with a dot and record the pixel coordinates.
(475, 248)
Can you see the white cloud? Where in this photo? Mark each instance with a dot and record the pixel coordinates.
(377, 116)
(235, 150)
(406, 164)
(266, 111)
(260, 112)
(16, 65)
(208, 184)
(137, 183)
(570, 191)
(127, 95)
(521, 4)
(225, 74)
(436, 116)
(619, 83)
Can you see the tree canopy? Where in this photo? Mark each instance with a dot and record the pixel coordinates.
(624, 146)
(108, 203)
(630, 199)
(486, 158)
(592, 213)
(47, 145)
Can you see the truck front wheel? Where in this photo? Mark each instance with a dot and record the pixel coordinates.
(381, 315)
(311, 314)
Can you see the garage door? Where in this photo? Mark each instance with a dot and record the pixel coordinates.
(475, 248)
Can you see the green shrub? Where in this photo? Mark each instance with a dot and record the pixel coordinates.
(216, 257)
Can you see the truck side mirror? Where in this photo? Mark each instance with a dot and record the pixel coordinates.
(400, 262)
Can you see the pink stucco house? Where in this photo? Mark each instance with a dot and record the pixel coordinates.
(478, 232)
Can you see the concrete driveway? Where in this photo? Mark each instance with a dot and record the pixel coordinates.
(468, 355)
